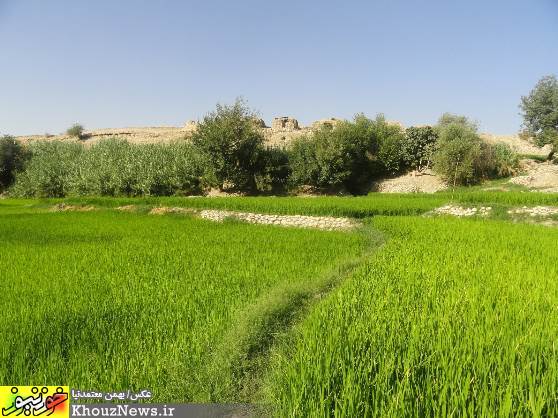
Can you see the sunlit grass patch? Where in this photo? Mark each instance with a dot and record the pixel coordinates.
(113, 300)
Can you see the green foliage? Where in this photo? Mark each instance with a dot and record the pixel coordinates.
(540, 111)
(115, 167)
(356, 143)
(450, 315)
(390, 154)
(458, 158)
(418, 147)
(504, 160)
(336, 153)
(105, 169)
(50, 165)
(228, 152)
(232, 145)
(334, 157)
(536, 157)
(305, 167)
(448, 119)
(12, 159)
(347, 155)
(111, 167)
(391, 139)
(76, 130)
(463, 158)
(274, 170)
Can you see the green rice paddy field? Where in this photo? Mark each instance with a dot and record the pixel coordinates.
(406, 316)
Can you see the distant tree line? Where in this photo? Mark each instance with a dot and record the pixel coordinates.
(228, 152)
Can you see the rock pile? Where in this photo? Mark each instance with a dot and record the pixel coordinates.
(460, 211)
(328, 223)
(542, 211)
(319, 222)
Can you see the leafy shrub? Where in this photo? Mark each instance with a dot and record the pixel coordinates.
(348, 155)
(316, 162)
(274, 170)
(111, 167)
(76, 130)
(185, 169)
(50, 165)
(334, 157)
(390, 139)
(167, 169)
(304, 162)
(12, 158)
(105, 169)
(418, 147)
(505, 161)
(232, 144)
(390, 154)
(114, 167)
(463, 158)
(458, 157)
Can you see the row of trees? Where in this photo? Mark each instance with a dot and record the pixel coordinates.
(353, 153)
(228, 152)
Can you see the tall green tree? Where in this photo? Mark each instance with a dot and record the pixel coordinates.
(540, 111)
(390, 139)
(419, 146)
(232, 145)
(343, 156)
(458, 154)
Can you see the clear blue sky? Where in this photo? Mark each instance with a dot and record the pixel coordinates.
(115, 63)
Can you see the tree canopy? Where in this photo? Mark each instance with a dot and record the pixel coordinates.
(540, 111)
